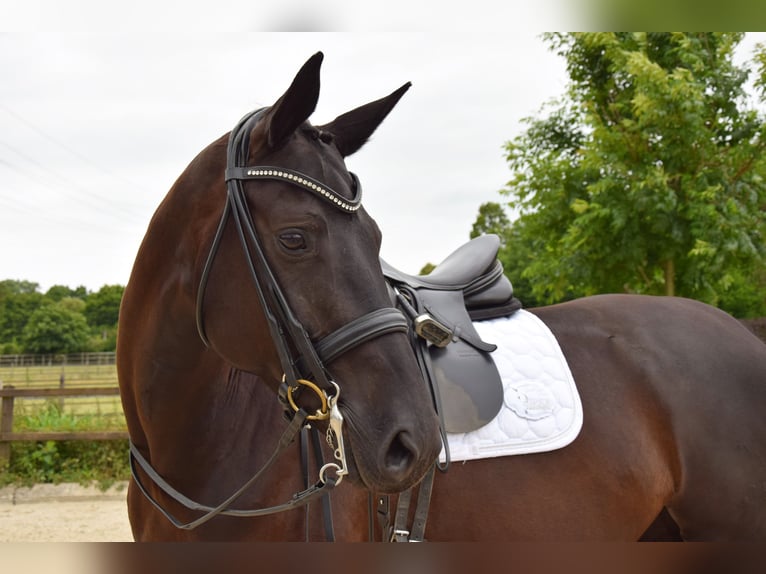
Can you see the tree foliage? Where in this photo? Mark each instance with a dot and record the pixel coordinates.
(62, 320)
(10, 287)
(103, 307)
(648, 176)
(53, 328)
(15, 310)
(492, 219)
(59, 292)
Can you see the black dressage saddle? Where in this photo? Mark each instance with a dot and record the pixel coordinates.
(469, 285)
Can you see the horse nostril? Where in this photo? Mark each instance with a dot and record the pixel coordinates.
(401, 454)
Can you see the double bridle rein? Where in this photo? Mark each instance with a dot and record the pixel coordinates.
(302, 360)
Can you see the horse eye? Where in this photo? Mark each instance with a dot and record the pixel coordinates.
(293, 240)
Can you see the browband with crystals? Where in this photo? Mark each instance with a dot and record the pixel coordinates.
(301, 180)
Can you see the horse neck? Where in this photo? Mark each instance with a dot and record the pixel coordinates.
(182, 401)
(170, 380)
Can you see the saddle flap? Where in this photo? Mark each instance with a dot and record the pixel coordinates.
(469, 386)
(468, 285)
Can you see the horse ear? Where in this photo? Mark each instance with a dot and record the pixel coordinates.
(352, 129)
(297, 103)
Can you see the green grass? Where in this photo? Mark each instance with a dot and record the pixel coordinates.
(31, 462)
(85, 462)
(51, 416)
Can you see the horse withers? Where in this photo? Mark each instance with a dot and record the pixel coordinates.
(259, 276)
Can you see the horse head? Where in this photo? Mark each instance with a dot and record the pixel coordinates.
(292, 287)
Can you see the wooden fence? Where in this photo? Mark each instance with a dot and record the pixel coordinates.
(8, 395)
(102, 358)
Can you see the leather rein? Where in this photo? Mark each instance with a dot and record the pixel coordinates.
(302, 360)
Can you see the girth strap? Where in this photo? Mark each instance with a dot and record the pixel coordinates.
(399, 532)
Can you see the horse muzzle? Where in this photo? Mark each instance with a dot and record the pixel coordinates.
(398, 459)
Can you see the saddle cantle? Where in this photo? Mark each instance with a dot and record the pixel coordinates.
(467, 286)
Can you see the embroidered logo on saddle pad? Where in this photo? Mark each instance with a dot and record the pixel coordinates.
(530, 400)
(541, 407)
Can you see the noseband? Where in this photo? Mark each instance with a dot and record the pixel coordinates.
(302, 360)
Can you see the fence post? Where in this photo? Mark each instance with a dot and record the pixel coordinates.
(6, 426)
(62, 382)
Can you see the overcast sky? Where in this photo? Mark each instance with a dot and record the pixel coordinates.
(95, 129)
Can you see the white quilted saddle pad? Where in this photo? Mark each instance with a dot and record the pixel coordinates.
(542, 409)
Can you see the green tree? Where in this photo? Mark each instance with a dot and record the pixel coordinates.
(9, 287)
(648, 176)
(516, 248)
(492, 219)
(15, 311)
(74, 304)
(58, 292)
(18, 300)
(102, 308)
(53, 328)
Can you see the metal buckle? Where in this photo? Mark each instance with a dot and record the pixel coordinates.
(396, 535)
(432, 330)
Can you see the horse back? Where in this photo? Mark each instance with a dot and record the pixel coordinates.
(702, 379)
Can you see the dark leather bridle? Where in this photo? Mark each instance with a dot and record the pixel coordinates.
(303, 360)
(299, 356)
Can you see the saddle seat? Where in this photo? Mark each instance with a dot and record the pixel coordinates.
(472, 268)
(463, 266)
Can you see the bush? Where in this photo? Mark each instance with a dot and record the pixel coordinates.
(81, 461)
(55, 329)
(84, 462)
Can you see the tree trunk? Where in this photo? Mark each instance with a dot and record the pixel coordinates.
(669, 267)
